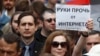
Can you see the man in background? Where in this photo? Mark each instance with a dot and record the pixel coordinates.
(9, 45)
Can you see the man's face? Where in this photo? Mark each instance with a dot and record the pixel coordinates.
(49, 21)
(91, 41)
(27, 27)
(8, 4)
(8, 49)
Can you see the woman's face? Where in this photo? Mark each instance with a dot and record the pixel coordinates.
(59, 46)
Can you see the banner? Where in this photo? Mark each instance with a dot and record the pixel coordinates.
(72, 17)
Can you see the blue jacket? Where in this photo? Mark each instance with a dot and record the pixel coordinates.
(4, 19)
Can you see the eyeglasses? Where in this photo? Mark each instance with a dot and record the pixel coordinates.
(50, 20)
(56, 44)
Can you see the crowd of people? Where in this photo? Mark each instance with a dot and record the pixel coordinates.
(28, 28)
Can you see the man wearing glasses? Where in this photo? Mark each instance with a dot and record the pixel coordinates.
(48, 21)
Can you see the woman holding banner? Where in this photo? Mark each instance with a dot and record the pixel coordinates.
(58, 43)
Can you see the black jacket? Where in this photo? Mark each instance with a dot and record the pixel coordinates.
(39, 42)
(36, 46)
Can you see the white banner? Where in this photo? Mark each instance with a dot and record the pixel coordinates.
(72, 17)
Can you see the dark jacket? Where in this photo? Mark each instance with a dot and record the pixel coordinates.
(39, 42)
(36, 46)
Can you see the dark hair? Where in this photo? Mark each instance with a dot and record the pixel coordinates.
(27, 13)
(11, 38)
(19, 12)
(47, 10)
(38, 7)
(94, 32)
(1, 5)
(22, 5)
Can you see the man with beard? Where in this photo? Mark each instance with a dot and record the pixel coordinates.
(8, 10)
(9, 6)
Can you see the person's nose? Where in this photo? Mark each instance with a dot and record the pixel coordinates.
(92, 45)
(26, 26)
(53, 21)
(5, 54)
(8, 1)
(59, 46)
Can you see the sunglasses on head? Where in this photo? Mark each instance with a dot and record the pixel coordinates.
(56, 44)
(50, 20)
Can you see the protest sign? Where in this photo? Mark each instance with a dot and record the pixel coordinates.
(72, 17)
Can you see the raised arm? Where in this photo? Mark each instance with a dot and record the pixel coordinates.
(82, 40)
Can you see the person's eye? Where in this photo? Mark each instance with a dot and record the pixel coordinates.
(89, 43)
(96, 43)
(15, 21)
(23, 24)
(31, 24)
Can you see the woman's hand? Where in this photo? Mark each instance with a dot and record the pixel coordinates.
(89, 24)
